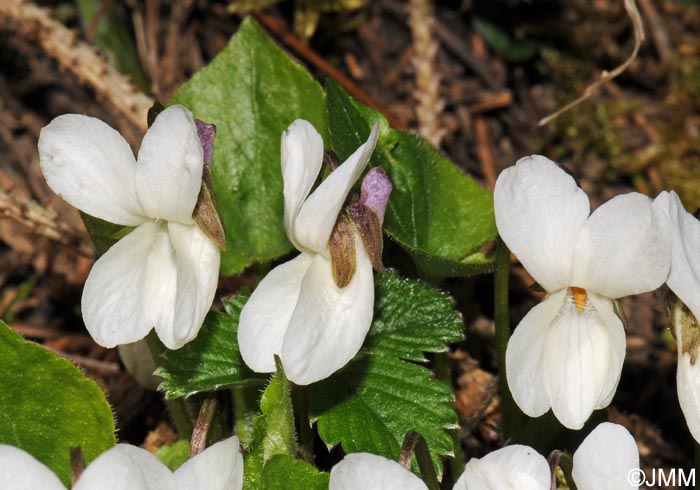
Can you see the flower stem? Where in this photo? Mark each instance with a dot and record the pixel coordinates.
(176, 406)
(300, 403)
(414, 443)
(243, 413)
(442, 372)
(511, 413)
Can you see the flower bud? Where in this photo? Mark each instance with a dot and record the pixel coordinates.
(342, 249)
(206, 213)
(367, 214)
(375, 191)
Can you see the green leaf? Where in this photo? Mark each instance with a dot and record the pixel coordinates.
(103, 233)
(273, 430)
(210, 362)
(436, 212)
(285, 473)
(252, 91)
(375, 400)
(510, 49)
(48, 406)
(174, 455)
(113, 36)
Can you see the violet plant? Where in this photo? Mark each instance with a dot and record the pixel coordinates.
(352, 347)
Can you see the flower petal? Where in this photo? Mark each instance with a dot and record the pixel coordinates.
(512, 467)
(605, 459)
(219, 467)
(623, 249)
(684, 279)
(539, 213)
(197, 262)
(19, 470)
(139, 363)
(317, 216)
(170, 165)
(616, 331)
(302, 157)
(126, 467)
(576, 363)
(265, 317)
(131, 288)
(329, 324)
(91, 166)
(525, 354)
(687, 376)
(371, 472)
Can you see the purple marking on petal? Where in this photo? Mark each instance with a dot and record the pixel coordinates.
(206, 133)
(375, 191)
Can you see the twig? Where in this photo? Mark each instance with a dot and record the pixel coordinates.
(606, 76)
(453, 42)
(459, 48)
(35, 331)
(102, 367)
(152, 35)
(484, 151)
(657, 30)
(37, 219)
(393, 74)
(278, 29)
(79, 58)
(91, 29)
(427, 92)
(492, 102)
(172, 61)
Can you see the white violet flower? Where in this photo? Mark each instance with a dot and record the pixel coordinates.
(163, 274)
(125, 467)
(512, 467)
(365, 471)
(567, 353)
(315, 310)
(603, 461)
(684, 281)
(606, 459)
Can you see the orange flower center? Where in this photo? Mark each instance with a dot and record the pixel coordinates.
(580, 295)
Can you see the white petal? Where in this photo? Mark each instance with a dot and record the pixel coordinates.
(616, 331)
(302, 157)
(623, 249)
(20, 471)
(687, 380)
(131, 288)
(539, 213)
(318, 214)
(577, 361)
(91, 166)
(169, 168)
(684, 279)
(605, 459)
(525, 356)
(197, 261)
(265, 317)
(219, 467)
(510, 468)
(329, 324)
(126, 467)
(371, 472)
(138, 361)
